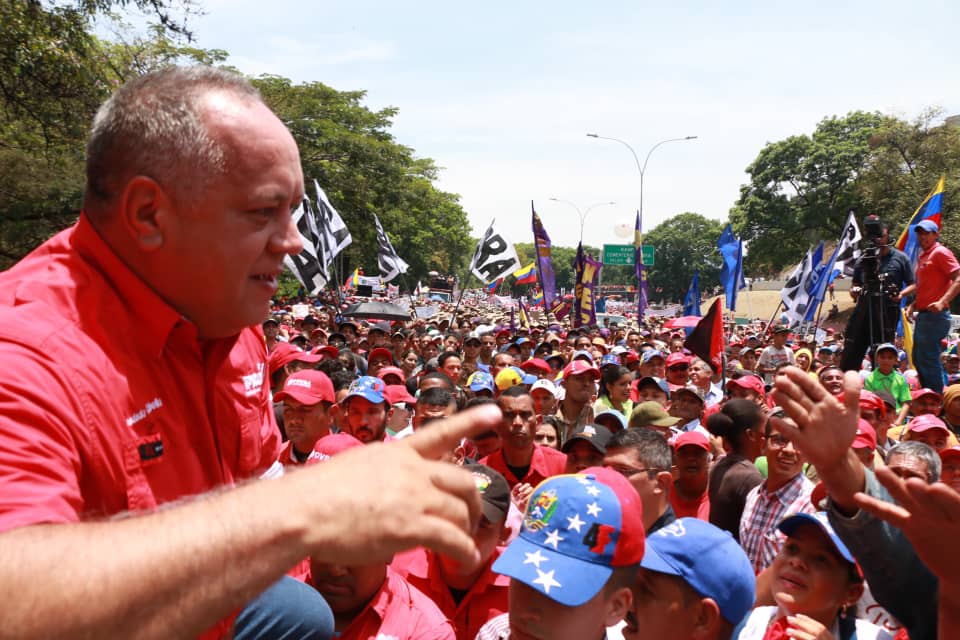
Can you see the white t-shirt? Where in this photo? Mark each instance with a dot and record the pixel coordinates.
(759, 619)
(773, 357)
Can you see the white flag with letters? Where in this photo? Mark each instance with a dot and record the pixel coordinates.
(848, 247)
(391, 265)
(795, 293)
(306, 266)
(494, 257)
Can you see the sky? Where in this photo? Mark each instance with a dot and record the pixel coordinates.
(501, 95)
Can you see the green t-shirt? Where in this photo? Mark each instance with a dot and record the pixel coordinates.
(894, 384)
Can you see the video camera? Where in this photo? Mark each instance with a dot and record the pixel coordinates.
(875, 282)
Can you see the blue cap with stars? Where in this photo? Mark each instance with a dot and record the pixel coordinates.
(576, 530)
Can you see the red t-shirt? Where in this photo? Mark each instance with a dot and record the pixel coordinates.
(486, 599)
(545, 463)
(699, 508)
(399, 610)
(935, 267)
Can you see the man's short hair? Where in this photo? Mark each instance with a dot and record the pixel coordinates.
(153, 126)
(437, 375)
(922, 451)
(652, 448)
(436, 397)
(446, 355)
(516, 391)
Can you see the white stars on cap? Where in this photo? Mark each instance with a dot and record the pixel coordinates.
(594, 509)
(545, 580)
(553, 539)
(584, 480)
(592, 490)
(535, 558)
(574, 523)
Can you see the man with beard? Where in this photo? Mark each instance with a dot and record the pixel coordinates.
(520, 459)
(366, 410)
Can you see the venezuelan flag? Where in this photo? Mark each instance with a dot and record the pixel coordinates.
(493, 286)
(526, 275)
(353, 280)
(929, 209)
(537, 298)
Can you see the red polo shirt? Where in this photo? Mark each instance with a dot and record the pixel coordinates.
(486, 599)
(398, 611)
(699, 508)
(934, 268)
(546, 462)
(109, 402)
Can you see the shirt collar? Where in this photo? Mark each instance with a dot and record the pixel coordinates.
(790, 491)
(154, 317)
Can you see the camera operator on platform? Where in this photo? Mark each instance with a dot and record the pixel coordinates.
(882, 277)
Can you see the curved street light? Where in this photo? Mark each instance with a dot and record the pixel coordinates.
(583, 214)
(641, 168)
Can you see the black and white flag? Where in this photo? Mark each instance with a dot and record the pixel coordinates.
(391, 265)
(848, 247)
(494, 257)
(305, 265)
(795, 293)
(333, 234)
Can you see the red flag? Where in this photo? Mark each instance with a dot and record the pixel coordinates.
(706, 339)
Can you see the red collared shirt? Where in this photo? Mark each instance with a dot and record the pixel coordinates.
(698, 508)
(486, 599)
(398, 611)
(109, 402)
(545, 463)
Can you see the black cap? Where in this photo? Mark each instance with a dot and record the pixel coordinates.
(597, 435)
(494, 491)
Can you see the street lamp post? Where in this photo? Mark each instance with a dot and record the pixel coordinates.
(641, 168)
(583, 214)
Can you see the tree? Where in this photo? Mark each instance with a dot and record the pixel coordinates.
(801, 189)
(684, 243)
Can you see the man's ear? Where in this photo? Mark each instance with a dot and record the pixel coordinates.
(144, 212)
(707, 619)
(664, 481)
(618, 604)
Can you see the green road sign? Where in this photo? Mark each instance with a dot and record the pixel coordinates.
(622, 254)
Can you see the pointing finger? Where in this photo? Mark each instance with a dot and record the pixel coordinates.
(443, 435)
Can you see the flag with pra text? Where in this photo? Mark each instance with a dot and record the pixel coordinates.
(638, 269)
(929, 209)
(706, 339)
(391, 265)
(494, 257)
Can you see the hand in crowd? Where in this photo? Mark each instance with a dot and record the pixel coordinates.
(398, 496)
(928, 514)
(806, 628)
(520, 495)
(825, 425)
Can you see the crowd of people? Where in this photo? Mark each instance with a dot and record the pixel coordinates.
(174, 465)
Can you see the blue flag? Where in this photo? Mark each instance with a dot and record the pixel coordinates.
(691, 302)
(731, 272)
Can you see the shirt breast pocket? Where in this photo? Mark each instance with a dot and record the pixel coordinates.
(250, 445)
(140, 453)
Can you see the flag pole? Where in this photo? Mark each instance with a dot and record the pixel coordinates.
(775, 312)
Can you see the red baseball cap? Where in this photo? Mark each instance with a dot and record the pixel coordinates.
(536, 364)
(749, 382)
(926, 422)
(950, 452)
(870, 400)
(331, 445)
(395, 393)
(630, 357)
(677, 357)
(866, 437)
(694, 438)
(919, 393)
(327, 351)
(307, 387)
(284, 353)
(394, 371)
(577, 367)
(382, 352)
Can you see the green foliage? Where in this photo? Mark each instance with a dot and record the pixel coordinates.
(684, 243)
(801, 189)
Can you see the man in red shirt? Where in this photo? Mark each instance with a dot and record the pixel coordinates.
(467, 596)
(520, 459)
(691, 462)
(143, 381)
(938, 282)
(307, 398)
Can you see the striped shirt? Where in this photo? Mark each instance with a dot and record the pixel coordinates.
(763, 511)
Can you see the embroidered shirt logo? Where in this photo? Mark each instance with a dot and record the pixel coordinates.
(149, 408)
(253, 382)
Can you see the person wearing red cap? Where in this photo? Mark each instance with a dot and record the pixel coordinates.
(749, 387)
(580, 390)
(928, 429)
(691, 465)
(677, 366)
(307, 398)
(144, 383)
(520, 459)
(865, 444)
(287, 359)
(950, 470)
(377, 359)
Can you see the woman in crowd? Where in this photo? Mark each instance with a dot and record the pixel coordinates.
(740, 424)
(816, 585)
(614, 390)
